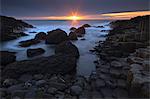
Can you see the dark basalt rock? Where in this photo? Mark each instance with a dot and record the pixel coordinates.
(35, 52)
(72, 29)
(80, 30)
(8, 27)
(7, 57)
(86, 25)
(55, 64)
(56, 36)
(73, 36)
(40, 36)
(100, 26)
(67, 48)
(28, 43)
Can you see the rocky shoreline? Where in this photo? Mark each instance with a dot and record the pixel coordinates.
(12, 28)
(122, 67)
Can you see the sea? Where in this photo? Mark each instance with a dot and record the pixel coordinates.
(93, 34)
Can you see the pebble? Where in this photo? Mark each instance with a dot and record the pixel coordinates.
(121, 83)
(116, 64)
(52, 90)
(40, 83)
(107, 92)
(99, 83)
(76, 90)
(25, 77)
(120, 93)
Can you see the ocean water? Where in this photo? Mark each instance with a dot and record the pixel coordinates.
(85, 62)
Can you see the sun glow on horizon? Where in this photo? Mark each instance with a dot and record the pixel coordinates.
(74, 16)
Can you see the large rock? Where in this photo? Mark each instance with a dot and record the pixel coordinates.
(7, 57)
(40, 36)
(67, 48)
(73, 36)
(86, 25)
(72, 29)
(28, 43)
(80, 31)
(45, 65)
(35, 52)
(56, 36)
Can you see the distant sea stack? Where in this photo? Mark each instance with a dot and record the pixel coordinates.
(12, 28)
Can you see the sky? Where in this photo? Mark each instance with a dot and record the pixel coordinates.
(34, 9)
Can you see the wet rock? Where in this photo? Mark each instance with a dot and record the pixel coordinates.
(52, 90)
(53, 64)
(116, 64)
(100, 26)
(40, 36)
(9, 82)
(13, 88)
(38, 76)
(76, 90)
(103, 70)
(7, 57)
(35, 52)
(143, 53)
(33, 32)
(120, 93)
(25, 77)
(121, 83)
(67, 48)
(28, 43)
(111, 83)
(132, 60)
(115, 72)
(31, 94)
(80, 30)
(40, 83)
(73, 36)
(80, 81)
(86, 25)
(83, 39)
(58, 86)
(107, 92)
(56, 36)
(99, 84)
(72, 29)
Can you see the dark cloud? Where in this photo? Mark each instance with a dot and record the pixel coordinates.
(21, 8)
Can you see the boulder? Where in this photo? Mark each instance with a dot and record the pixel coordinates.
(72, 29)
(56, 36)
(100, 26)
(86, 25)
(35, 52)
(67, 48)
(28, 43)
(46, 65)
(40, 36)
(73, 36)
(7, 57)
(76, 90)
(80, 31)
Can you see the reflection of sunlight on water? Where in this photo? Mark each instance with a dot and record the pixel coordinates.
(74, 23)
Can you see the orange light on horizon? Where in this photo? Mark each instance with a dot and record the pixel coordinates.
(74, 16)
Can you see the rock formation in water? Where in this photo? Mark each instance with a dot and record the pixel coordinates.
(56, 36)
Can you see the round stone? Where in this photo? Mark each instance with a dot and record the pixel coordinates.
(116, 64)
(99, 83)
(76, 90)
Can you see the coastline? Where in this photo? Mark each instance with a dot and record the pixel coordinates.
(113, 78)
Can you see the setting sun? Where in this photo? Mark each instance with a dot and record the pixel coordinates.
(74, 18)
